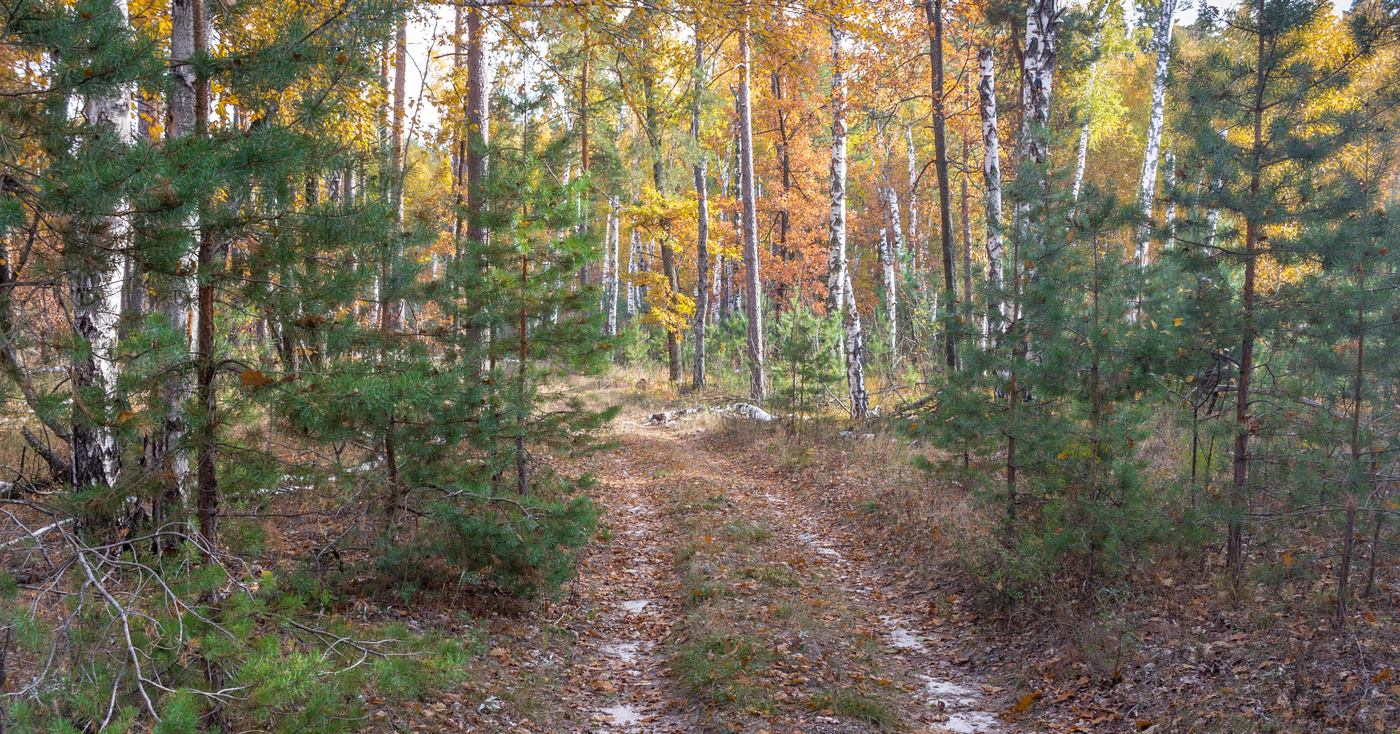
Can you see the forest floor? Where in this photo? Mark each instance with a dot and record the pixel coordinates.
(749, 577)
(718, 597)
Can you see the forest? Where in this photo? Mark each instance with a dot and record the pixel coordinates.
(699, 365)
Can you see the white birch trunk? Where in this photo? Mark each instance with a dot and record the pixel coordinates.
(1147, 183)
(176, 293)
(836, 277)
(991, 180)
(758, 383)
(913, 193)
(1042, 41)
(1084, 126)
(855, 353)
(96, 289)
(634, 251)
(1169, 217)
(886, 254)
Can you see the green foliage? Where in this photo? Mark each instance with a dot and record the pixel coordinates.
(806, 351)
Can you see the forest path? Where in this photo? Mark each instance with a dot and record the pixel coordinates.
(726, 599)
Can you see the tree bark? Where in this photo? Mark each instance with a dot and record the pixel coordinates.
(934, 9)
(1234, 544)
(1042, 40)
(668, 255)
(95, 285)
(1147, 182)
(991, 181)
(884, 248)
(1094, 47)
(163, 455)
(855, 354)
(836, 242)
(702, 217)
(758, 383)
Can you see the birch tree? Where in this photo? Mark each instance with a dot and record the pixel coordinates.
(758, 383)
(1094, 48)
(702, 215)
(95, 287)
(1147, 182)
(991, 183)
(836, 250)
(163, 453)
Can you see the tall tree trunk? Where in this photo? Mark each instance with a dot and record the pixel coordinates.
(634, 251)
(1042, 40)
(855, 353)
(1147, 182)
(1239, 490)
(391, 296)
(836, 243)
(459, 134)
(885, 252)
(1094, 47)
(668, 255)
(934, 10)
(1169, 216)
(478, 132)
(612, 280)
(966, 229)
(702, 216)
(163, 455)
(95, 285)
(758, 382)
(991, 181)
(913, 166)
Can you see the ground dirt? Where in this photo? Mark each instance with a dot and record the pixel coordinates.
(720, 598)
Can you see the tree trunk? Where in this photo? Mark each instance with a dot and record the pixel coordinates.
(633, 252)
(885, 252)
(991, 180)
(612, 271)
(163, 455)
(1147, 182)
(96, 287)
(758, 383)
(478, 133)
(1084, 126)
(836, 243)
(702, 218)
(1042, 39)
(966, 230)
(668, 255)
(934, 9)
(855, 354)
(1234, 546)
(913, 166)
(1169, 216)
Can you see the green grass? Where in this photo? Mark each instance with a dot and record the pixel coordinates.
(725, 669)
(853, 704)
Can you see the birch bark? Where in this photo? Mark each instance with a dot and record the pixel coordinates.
(95, 286)
(1147, 182)
(991, 180)
(758, 383)
(836, 242)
